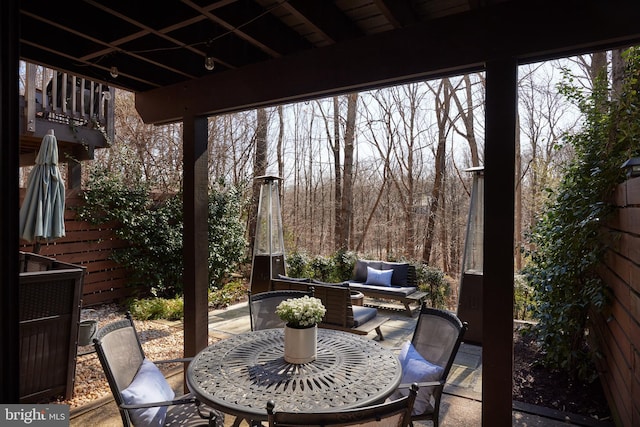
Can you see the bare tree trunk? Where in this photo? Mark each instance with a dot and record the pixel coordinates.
(518, 200)
(279, 152)
(308, 205)
(388, 247)
(598, 65)
(359, 246)
(467, 116)
(259, 168)
(347, 193)
(337, 171)
(333, 139)
(617, 71)
(444, 239)
(372, 211)
(397, 138)
(442, 113)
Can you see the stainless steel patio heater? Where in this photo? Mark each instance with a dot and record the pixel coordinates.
(268, 248)
(471, 279)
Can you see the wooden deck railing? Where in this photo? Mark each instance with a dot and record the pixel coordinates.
(63, 98)
(79, 111)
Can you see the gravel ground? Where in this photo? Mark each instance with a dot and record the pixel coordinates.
(160, 340)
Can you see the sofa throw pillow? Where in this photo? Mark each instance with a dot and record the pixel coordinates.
(378, 277)
(400, 272)
(148, 386)
(360, 269)
(416, 368)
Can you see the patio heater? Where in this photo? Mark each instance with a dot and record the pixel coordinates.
(268, 248)
(470, 292)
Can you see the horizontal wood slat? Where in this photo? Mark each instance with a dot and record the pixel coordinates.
(616, 332)
(633, 191)
(90, 246)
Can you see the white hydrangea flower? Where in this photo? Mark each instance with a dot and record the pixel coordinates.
(301, 312)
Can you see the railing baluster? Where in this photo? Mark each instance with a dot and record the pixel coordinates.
(30, 97)
(65, 98)
(65, 95)
(45, 99)
(91, 100)
(54, 91)
(73, 94)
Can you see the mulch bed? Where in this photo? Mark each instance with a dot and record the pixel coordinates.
(537, 385)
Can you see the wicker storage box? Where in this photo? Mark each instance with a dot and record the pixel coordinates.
(50, 293)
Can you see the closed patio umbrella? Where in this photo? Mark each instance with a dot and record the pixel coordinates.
(42, 211)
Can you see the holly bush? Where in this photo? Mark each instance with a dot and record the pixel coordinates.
(153, 229)
(569, 239)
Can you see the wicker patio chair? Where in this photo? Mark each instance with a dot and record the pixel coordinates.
(140, 390)
(262, 307)
(428, 358)
(395, 412)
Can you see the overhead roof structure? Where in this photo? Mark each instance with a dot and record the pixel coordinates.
(166, 44)
(267, 52)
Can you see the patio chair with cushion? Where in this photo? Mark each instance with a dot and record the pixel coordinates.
(427, 360)
(396, 412)
(143, 395)
(262, 307)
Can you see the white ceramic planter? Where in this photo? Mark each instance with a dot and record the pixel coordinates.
(300, 345)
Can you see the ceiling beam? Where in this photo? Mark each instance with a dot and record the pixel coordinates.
(445, 46)
(233, 29)
(324, 17)
(399, 13)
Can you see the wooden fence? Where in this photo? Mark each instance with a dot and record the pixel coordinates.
(617, 331)
(89, 246)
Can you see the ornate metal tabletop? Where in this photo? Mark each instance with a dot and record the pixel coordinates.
(238, 375)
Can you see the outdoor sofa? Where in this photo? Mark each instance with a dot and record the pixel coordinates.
(387, 280)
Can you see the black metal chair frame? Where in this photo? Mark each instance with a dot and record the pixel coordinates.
(276, 297)
(459, 328)
(118, 381)
(370, 415)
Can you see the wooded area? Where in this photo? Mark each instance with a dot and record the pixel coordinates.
(379, 172)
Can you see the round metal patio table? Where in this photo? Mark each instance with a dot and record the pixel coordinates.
(238, 375)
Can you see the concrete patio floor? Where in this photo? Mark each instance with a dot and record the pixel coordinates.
(461, 403)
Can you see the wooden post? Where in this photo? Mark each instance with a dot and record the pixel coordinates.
(74, 174)
(9, 166)
(196, 242)
(497, 295)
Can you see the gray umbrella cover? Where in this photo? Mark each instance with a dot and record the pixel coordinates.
(42, 211)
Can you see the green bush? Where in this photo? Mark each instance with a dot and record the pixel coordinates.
(153, 231)
(344, 262)
(524, 304)
(230, 293)
(226, 234)
(173, 308)
(322, 268)
(433, 281)
(297, 265)
(156, 308)
(336, 268)
(569, 239)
